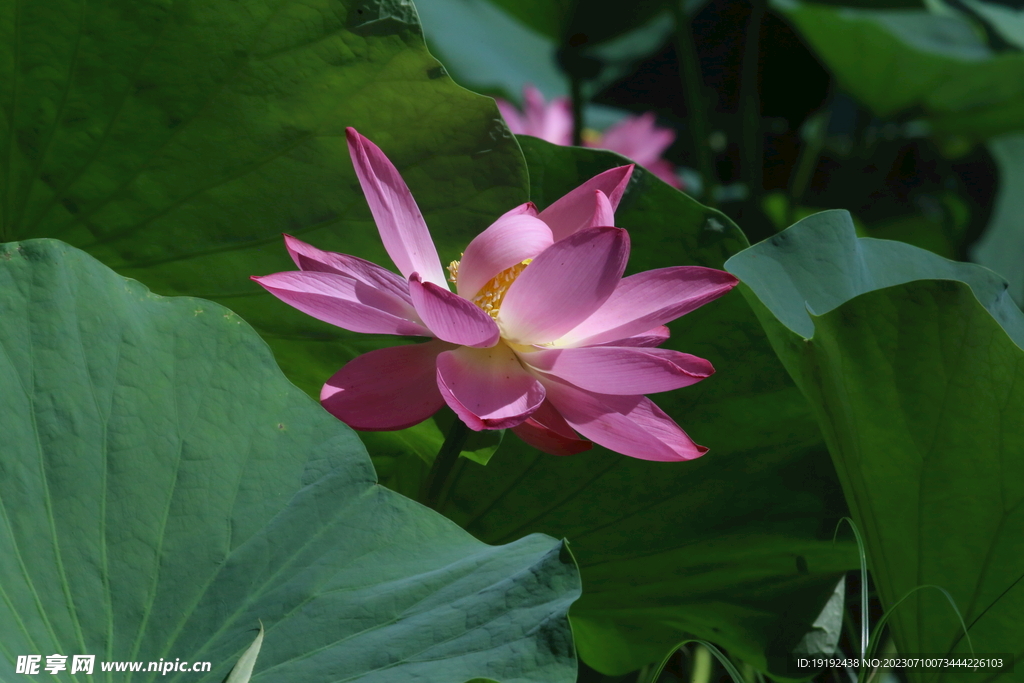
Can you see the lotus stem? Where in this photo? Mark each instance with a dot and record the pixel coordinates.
(444, 462)
(696, 103)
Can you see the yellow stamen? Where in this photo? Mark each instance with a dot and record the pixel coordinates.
(491, 295)
(591, 137)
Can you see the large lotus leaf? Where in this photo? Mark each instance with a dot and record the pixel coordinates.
(488, 50)
(915, 368)
(735, 547)
(164, 488)
(176, 141)
(912, 61)
(1001, 248)
(1005, 22)
(544, 16)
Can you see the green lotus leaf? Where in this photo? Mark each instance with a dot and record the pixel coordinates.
(911, 62)
(164, 490)
(915, 368)
(176, 143)
(1001, 248)
(487, 49)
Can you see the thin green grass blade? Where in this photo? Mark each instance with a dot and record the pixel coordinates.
(863, 583)
(653, 674)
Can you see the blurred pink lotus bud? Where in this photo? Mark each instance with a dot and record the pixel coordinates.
(636, 137)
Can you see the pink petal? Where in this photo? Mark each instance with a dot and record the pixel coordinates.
(548, 431)
(309, 258)
(450, 317)
(551, 122)
(386, 389)
(574, 211)
(653, 337)
(564, 285)
(398, 219)
(631, 425)
(527, 209)
(514, 237)
(547, 417)
(513, 119)
(345, 302)
(646, 300)
(621, 370)
(604, 212)
(487, 388)
(638, 138)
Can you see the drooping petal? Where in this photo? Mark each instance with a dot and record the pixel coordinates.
(548, 441)
(631, 425)
(551, 122)
(547, 430)
(514, 237)
(386, 389)
(638, 138)
(487, 388)
(621, 370)
(344, 301)
(653, 337)
(309, 258)
(648, 299)
(564, 285)
(574, 211)
(604, 212)
(450, 317)
(399, 220)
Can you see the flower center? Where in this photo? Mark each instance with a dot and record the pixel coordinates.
(491, 295)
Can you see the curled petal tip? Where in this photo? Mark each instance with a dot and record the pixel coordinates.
(574, 211)
(604, 212)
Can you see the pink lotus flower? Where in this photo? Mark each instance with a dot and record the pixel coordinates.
(542, 335)
(636, 137)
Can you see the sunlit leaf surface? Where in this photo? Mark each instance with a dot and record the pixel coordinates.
(915, 367)
(164, 489)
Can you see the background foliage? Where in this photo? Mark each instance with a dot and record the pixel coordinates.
(175, 141)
